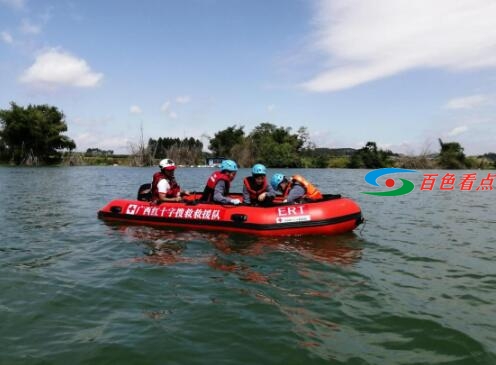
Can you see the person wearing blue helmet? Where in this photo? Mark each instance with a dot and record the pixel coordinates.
(295, 189)
(256, 189)
(218, 184)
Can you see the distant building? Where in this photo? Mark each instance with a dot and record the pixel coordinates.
(214, 161)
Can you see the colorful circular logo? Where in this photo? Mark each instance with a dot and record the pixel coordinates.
(405, 188)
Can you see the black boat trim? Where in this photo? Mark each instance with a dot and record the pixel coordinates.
(357, 217)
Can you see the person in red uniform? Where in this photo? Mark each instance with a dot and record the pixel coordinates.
(218, 184)
(256, 189)
(295, 189)
(164, 186)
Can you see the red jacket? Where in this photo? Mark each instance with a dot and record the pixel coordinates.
(208, 192)
(253, 189)
(312, 193)
(174, 188)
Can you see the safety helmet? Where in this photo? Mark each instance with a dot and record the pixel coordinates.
(228, 165)
(167, 164)
(258, 169)
(276, 180)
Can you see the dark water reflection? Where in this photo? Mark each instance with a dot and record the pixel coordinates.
(416, 285)
(166, 247)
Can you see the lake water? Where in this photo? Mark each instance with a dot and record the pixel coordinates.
(415, 285)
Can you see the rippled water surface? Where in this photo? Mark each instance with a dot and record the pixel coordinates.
(415, 285)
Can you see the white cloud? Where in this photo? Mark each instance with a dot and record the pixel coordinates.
(368, 40)
(29, 28)
(91, 140)
(457, 131)
(7, 37)
(165, 106)
(54, 68)
(406, 147)
(183, 99)
(271, 108)
(467, 102)
(135, 109)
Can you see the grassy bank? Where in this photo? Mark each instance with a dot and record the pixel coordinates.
(80, 159)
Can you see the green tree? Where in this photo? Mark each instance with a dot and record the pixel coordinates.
(3, 150)
(32, 135)
(304, 138)
(451, 155)
(488, 160)
(188, 151)
(370, 157)
(223, 142)
(321, 161)
(323, 157)
(276, 146)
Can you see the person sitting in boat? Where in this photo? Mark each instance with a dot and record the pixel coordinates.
(217, 187)
(256, 190)
(164, 185)
(296, 189)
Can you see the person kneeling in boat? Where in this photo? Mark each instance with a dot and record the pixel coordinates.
(296, 189)
(256, 190)
(217, 188)
(164, 185)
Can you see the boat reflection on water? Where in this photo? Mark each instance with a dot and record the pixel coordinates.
(169, 247)
(340, 250)
(343, 249)
(270, 265)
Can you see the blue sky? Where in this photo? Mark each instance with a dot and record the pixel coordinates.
(401, 73)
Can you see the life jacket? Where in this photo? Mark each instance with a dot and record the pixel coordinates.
(285, 193)
(253, 189)
(208, 192)
(311, 192)
(174, 188)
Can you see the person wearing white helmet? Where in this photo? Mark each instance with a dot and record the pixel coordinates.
(256, 189)
(218, 184)
(164, 185)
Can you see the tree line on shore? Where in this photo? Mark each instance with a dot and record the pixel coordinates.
(33, 135)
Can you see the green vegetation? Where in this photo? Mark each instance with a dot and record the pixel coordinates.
(98, 152)
(104, 158)
(188, 151)
(370, 157)
(32, 135)
(451, 155)
(267, 143)
(224, 141)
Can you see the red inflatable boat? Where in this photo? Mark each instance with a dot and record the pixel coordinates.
(332, 215)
